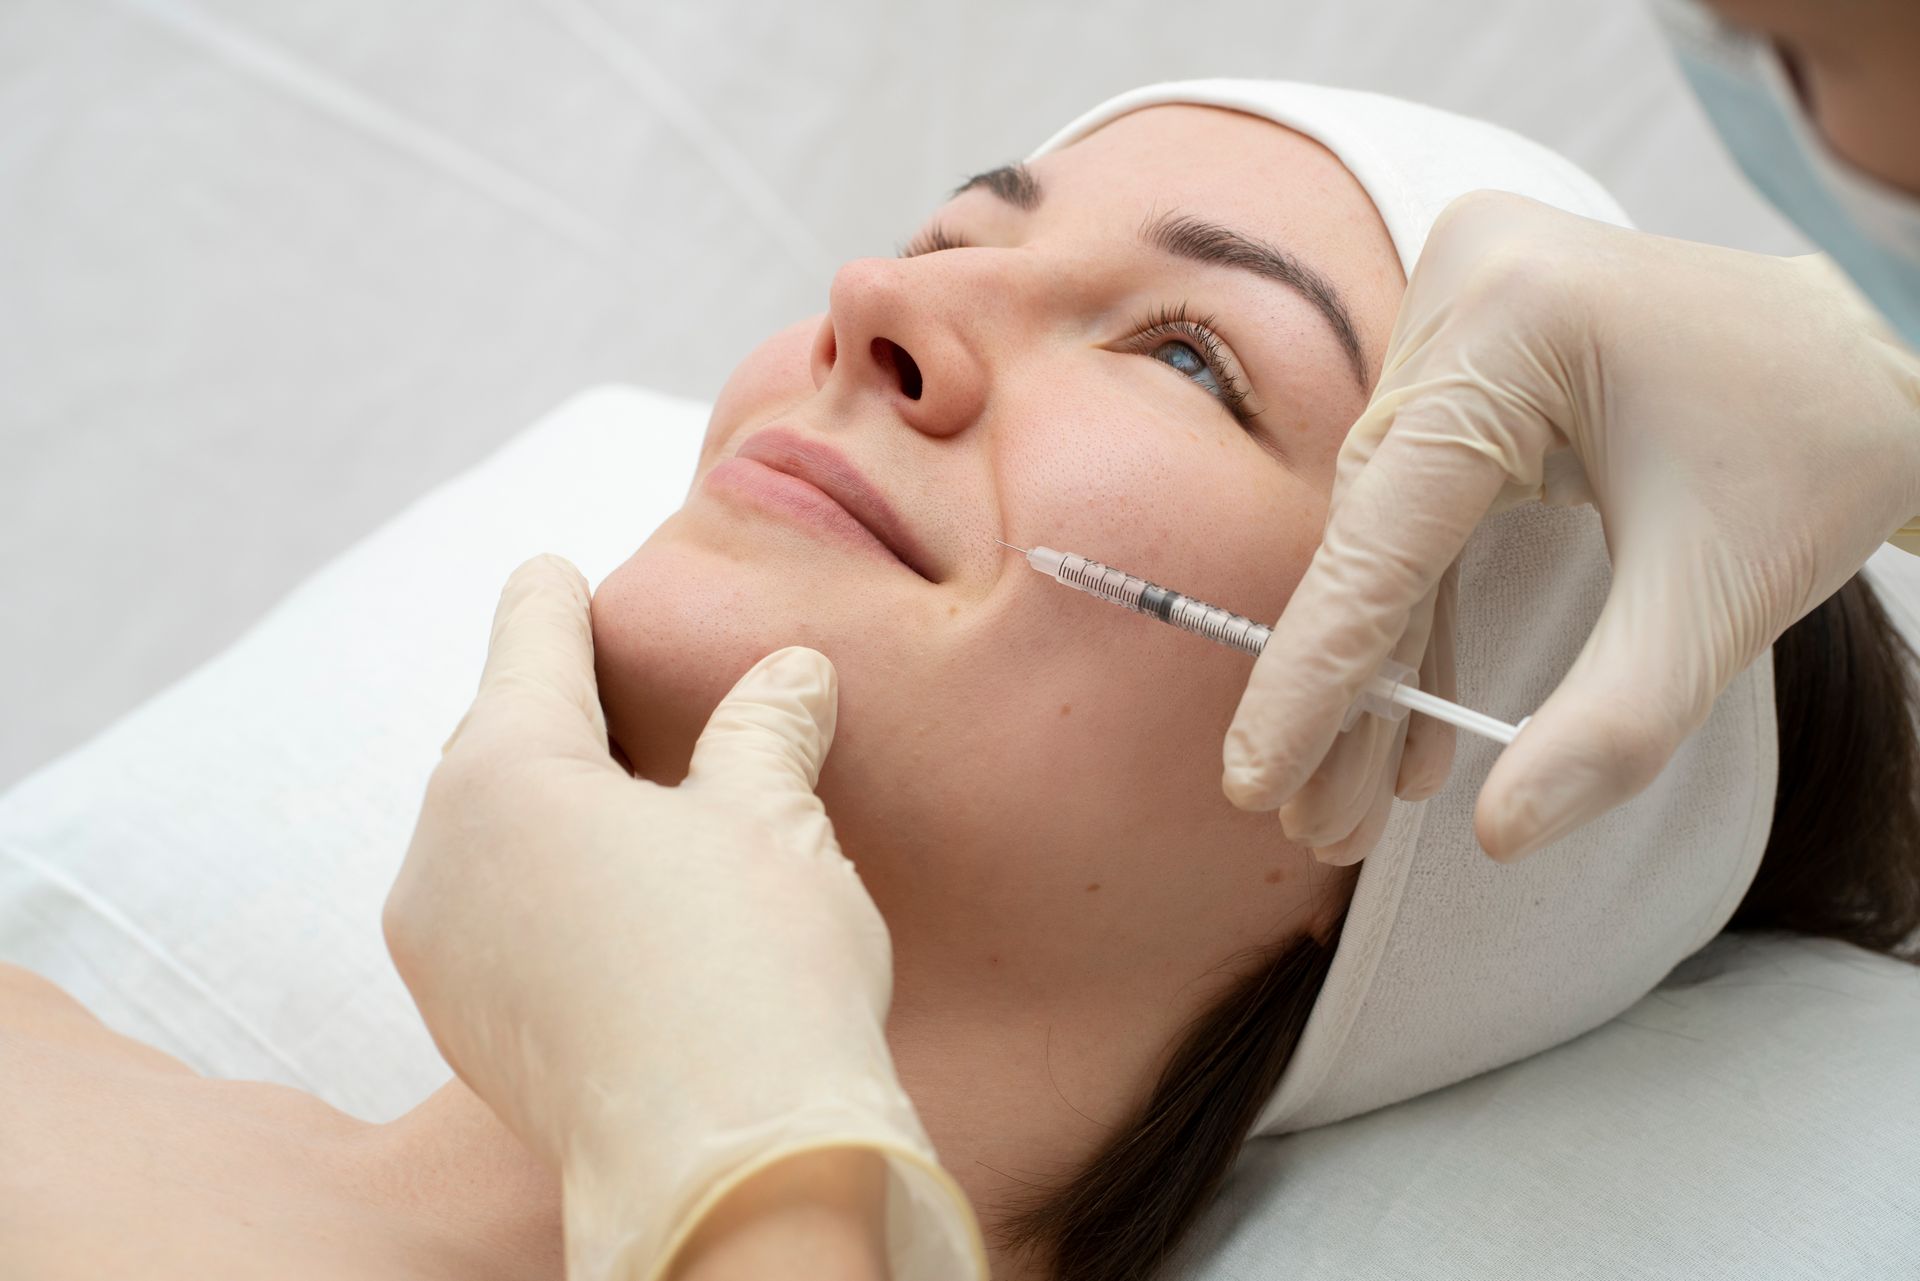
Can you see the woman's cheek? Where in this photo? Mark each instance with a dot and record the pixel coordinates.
(1230, 525)
(774, 377)
(1151, 494)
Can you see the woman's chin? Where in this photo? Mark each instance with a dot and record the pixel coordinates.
(674, 628)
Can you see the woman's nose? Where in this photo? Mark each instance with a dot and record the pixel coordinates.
(898, 331)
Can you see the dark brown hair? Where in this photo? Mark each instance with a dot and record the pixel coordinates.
(1842, 861)
(1843, 856)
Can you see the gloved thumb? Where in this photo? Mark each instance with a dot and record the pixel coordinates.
(774, 727)
(538, 691)
(1639, 686)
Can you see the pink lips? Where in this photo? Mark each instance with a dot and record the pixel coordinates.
(827, 470)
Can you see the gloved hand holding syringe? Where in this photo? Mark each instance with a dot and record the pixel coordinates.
(1390, 694)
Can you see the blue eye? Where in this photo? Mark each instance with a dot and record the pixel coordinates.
(1188, 345)
(1191, 363)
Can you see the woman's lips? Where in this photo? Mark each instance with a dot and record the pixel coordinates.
(807, 471)
(798, 500)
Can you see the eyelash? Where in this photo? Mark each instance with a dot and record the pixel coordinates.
(1165, 322)
(931, 241)
(1197, 332)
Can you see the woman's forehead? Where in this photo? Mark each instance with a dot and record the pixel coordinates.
(1233, 162)
(1246, 172)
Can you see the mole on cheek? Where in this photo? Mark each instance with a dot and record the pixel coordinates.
(1273, 877)
(1065, 708)
(952, 610)
(1094, 886)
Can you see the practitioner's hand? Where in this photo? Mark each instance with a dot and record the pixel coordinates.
(1745, 426)
(664, 991)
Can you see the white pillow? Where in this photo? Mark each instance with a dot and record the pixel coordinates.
(207, 875)
(1754, 1118)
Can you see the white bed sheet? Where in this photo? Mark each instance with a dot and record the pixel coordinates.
(272, 268)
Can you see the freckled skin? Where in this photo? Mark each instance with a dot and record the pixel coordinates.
(1005, 743)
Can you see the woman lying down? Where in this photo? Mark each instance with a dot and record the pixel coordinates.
(1145, 345)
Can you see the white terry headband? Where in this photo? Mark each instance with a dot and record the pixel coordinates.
(1449, 964)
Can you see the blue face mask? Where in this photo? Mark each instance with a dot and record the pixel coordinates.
(1867, 227)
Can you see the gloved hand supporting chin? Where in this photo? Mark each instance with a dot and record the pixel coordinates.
(663, 991)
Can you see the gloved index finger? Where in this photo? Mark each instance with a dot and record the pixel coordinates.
(538, 688)
(1404, 519)
(774, 727)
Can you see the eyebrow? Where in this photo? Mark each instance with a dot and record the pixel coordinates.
(1197, 240)
(1013, 183)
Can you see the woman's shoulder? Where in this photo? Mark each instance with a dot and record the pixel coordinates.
(35, 1011)
(120, 1160)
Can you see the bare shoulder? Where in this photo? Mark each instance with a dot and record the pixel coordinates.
(118, 1160)
(38, 1010)
(28, 1002)
(18, 984)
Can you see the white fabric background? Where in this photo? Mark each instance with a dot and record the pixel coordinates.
(1752, 1119)
(269, 269)
(206, 875)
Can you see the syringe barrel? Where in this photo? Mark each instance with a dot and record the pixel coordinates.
(1389, 694)
(1137, 594)
(1236, 631)
(1112, 585)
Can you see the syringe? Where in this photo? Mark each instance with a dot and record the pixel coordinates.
(1390, 694)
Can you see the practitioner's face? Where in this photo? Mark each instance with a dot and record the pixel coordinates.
(1854, 65)
(1028, 779)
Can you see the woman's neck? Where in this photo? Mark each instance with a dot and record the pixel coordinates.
(1017, 1098)
(476, 1203)
(482, 1204)
(1014, 1099)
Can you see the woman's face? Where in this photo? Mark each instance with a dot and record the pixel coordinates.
(1027, 778)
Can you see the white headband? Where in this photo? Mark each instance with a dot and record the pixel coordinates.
(1450, 965)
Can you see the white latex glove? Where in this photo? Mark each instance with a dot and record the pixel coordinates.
(660, 990)
(1747, 428)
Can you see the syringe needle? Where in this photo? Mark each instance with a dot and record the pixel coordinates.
(1004, 543)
